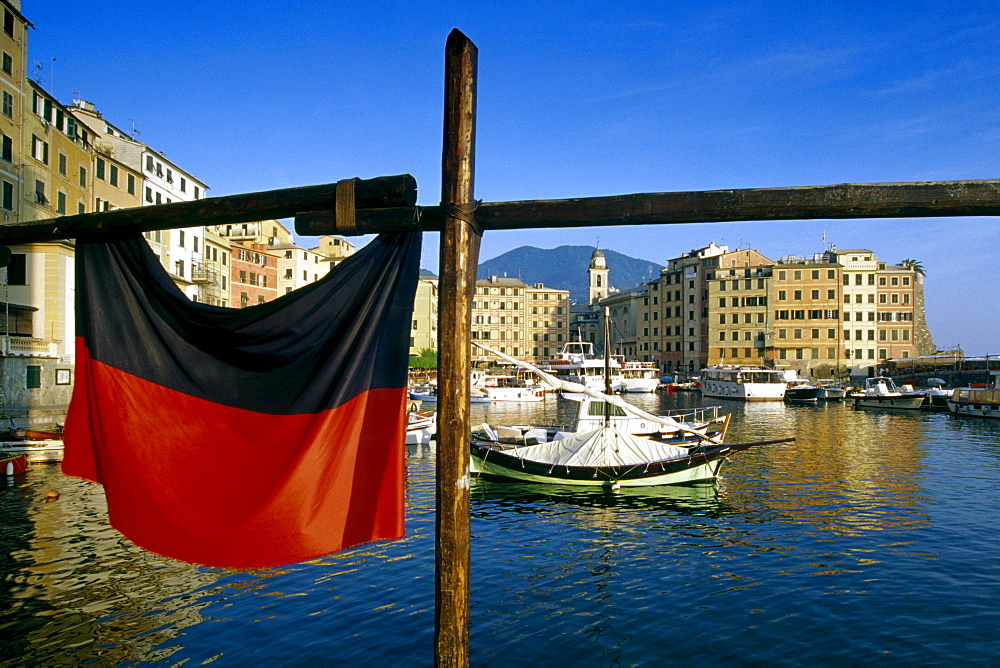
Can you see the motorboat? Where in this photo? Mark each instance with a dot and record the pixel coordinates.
(881, 392)
(832, 391)
(936, 395)
(975, 401)
(743, 383)
(501, 388)
(800, 392)
(639, 376)
(579, 363)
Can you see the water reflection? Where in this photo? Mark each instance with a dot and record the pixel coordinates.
(786, 560)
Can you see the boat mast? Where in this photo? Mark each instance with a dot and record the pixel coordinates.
(607, 367)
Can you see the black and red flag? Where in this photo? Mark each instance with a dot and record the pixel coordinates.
(244, 437)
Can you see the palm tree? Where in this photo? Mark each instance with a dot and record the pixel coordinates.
(914, 265)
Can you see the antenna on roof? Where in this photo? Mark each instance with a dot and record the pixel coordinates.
(52, 77)
(38, 72)
(135, 132)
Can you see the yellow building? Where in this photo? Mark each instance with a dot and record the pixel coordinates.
(115, 184)
(13, 56)
(423, 326)
(547, 321)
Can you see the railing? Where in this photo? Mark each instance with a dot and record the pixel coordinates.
(16, 345)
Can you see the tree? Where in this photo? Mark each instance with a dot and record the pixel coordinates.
(427, 359)
(914, 265)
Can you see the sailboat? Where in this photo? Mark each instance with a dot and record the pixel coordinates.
(608, 454)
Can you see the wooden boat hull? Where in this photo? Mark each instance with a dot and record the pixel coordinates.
(697, 468)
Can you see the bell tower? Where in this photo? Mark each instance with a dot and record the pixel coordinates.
(598, 275)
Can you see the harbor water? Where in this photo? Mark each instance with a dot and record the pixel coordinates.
(873, 538)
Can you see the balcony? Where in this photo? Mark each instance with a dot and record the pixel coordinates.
(26, 346)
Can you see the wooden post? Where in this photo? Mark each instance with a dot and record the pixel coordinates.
(459, 257)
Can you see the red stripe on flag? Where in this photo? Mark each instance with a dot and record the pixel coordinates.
(214, 485)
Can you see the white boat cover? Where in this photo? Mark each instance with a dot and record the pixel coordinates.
(606, 446)
(566, 386)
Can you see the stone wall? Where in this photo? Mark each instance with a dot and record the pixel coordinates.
(41, 406)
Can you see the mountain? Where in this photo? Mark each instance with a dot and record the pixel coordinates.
(566, 267)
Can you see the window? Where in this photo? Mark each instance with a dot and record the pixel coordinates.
(7, 150)
(8, 63)
(180, 238)
(39, 149)
(40, 197)
(61, 202)
(17, 270)
(8, 105)
(797, 295)
(83, 177)
(8, 196)
(815, 294)
(8, 27)
(149, 194)
(63, 167)
(113, 175)
(130, 184)
(100, 168)
(33, 377)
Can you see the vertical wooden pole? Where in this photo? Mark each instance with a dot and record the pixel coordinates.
(459, 257)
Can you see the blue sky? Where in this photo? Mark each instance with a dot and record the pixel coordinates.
(576, 99)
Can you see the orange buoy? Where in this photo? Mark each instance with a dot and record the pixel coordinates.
(52, 495)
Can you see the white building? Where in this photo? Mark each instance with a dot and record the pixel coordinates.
(298, 266)
(180, 251)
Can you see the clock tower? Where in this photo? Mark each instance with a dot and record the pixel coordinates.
(598, 274)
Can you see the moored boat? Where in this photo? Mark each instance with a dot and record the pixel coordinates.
(510, 388)
(35, 451)
(881, 392)
(743, 383)
(639, 376)
(832, 391)
(607, 455)
(421, 426)
(975, 402)
(803, 392)
(578, 362)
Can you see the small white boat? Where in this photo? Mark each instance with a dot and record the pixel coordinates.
(36, 451)
(743, 383)
(881, 392)
(975, 401)
(832, 391)
(421, 427)
(510, 388)
(639, 377)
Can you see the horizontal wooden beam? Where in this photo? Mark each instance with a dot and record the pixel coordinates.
(382, 191)
(849, 200)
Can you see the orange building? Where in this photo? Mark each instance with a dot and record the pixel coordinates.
(254, 275)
